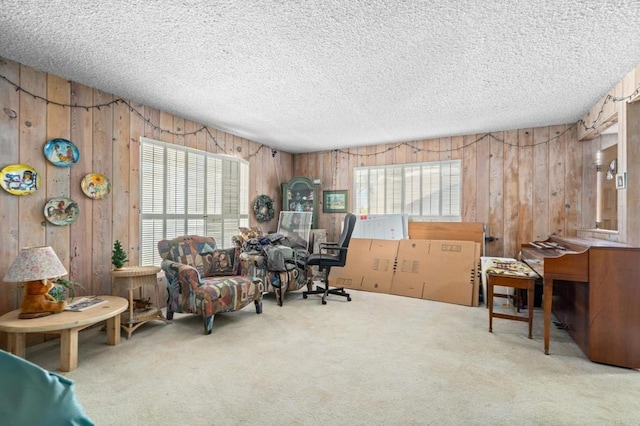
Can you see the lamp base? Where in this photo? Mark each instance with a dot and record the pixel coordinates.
(29, 315)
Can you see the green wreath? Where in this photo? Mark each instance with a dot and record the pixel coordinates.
(263, 208)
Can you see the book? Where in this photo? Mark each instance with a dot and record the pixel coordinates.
(83, 303)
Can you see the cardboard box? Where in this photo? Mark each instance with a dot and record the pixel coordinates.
(411, 268)
(351, 274)
(378, 264)
(451, 266)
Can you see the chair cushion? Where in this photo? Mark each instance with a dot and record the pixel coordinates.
(219, 262)
(31, 395)
(188, 250)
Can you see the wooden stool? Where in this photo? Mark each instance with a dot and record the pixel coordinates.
(514, 281)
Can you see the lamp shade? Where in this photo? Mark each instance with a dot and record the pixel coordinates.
(35, 263)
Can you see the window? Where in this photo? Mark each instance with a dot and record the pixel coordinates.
(424, 191)
(189, 192)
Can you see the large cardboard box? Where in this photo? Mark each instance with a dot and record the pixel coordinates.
(351, 274)
(451, 267)
(378, 264)
(411, 268)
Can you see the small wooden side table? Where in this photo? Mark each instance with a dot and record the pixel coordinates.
(519, 282)
(131, 278)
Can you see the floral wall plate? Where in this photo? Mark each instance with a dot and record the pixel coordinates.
(61, 152)
(61, 211)
(19, 179)
(95, 186)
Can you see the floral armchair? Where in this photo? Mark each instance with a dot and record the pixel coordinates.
(203, 279)
(253, 263)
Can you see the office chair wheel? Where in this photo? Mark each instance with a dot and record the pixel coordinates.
(304, 296)
(324, 302)
(348, 298)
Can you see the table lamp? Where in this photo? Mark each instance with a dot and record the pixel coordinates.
(34, 266)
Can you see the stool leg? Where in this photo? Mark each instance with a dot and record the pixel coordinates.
(490, 302)
(530, 307)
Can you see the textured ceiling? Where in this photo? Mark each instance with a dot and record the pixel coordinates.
(305, 76)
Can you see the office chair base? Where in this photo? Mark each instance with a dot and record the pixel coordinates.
(325, 291)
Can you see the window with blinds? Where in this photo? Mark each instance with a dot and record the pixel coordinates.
(425, 191)
(189, 192)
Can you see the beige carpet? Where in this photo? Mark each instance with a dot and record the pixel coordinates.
(377, 360)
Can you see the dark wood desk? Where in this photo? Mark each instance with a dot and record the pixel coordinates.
(592, 287)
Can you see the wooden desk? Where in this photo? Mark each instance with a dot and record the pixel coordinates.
(67, 324)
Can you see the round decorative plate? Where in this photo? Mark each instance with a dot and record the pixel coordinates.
(61, 152)
(61, 211)
(19, 179)
(95, 186)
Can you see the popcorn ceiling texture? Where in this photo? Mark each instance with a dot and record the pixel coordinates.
(325, 74)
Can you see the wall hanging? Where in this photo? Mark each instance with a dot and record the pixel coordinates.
(19, 179)
(263, 208)
(95, 186)
(61, 152)
(61, 211)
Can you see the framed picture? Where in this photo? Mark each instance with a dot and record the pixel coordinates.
(334, 201)
(621, 181)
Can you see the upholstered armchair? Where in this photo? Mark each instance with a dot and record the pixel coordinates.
(253, 263)
(204, 280)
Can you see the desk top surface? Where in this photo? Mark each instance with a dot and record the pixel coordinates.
(114, 305)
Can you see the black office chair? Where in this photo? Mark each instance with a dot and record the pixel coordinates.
(325, 260)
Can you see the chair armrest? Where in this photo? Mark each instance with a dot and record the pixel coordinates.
(176, 271)
(330, 246)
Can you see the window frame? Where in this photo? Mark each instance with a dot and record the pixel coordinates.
(191, 207)
(383, 194)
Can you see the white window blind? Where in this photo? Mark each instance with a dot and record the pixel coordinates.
(425, 191)
(189, 192)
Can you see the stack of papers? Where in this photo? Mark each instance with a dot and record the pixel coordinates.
(83, 303)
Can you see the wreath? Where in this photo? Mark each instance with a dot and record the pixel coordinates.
(263, 208)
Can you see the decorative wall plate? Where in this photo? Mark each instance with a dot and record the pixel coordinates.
(61, 211)
(19, 179)
(61, 152)
(95, 186)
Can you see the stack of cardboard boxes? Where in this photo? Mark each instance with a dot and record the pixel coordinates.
(440, 270)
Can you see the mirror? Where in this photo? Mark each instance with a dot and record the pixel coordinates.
(606, 169)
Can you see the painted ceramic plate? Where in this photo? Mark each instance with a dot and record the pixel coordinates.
(95, 186)
(19, 179)
(61, 211)
(61, 152)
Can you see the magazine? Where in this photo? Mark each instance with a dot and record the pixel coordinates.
(83, 303)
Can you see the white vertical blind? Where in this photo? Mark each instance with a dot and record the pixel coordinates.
(189, 192)
(425, 191)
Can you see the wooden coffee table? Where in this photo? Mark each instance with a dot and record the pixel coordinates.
(67, 324)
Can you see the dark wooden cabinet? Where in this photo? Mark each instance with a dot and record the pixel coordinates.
(300, 194)
(594, 292)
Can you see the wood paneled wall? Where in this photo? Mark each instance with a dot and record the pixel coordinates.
(524, 184)
(109, 143)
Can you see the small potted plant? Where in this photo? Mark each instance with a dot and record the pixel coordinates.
(62, 287)
(118, 256)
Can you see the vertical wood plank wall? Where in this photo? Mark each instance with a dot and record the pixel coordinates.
(109, 142)
(524, 184)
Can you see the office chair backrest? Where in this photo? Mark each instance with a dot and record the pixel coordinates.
(345, 237)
